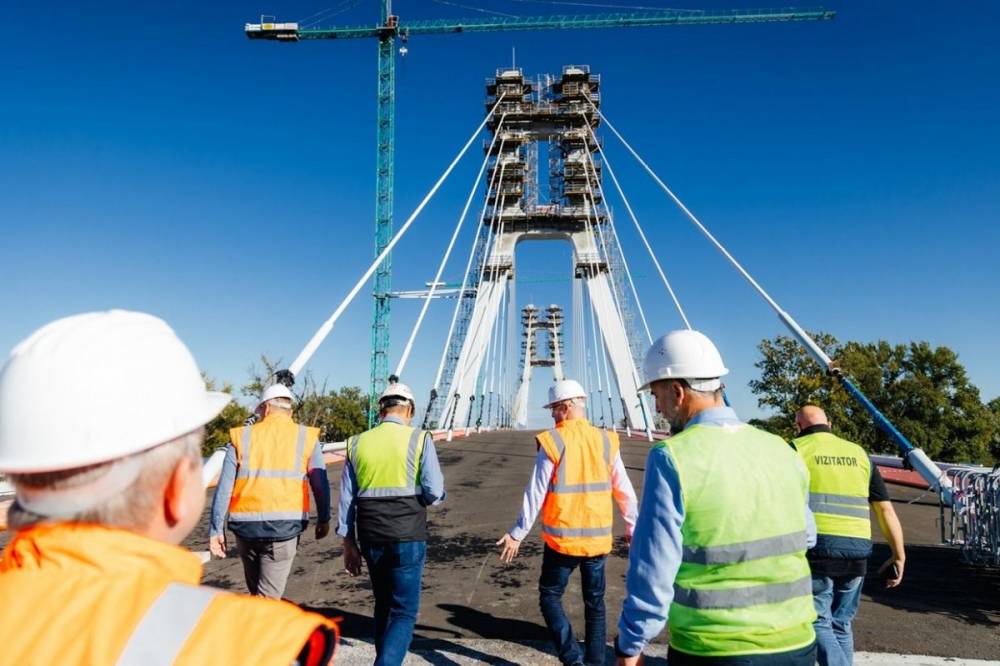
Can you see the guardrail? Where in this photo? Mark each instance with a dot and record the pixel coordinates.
(972, 520)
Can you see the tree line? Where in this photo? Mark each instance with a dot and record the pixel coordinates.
(924, 390)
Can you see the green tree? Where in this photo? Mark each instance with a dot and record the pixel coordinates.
(924, 390)
(994, 406)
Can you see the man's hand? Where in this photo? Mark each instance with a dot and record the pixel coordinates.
(629, 661)
(217, 546)
(352, 557)
(628, 539)
(892, 572)
(322, 529)
(508, 548)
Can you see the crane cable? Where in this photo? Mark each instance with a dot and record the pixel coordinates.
(324, 330)
(444, 260)
(642, 235)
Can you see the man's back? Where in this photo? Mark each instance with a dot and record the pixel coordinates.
(743, 586)
(85, 594)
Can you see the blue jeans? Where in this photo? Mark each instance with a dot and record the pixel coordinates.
(836, 600)
(395, 570)
(556, 569)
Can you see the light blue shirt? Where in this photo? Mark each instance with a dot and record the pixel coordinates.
(655, 555)
(431, 484)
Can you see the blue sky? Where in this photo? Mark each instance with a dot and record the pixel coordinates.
(153, 158)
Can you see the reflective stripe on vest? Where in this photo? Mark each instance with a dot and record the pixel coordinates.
(279, 492)
(367, 487)
(839, 477)
(166, 626)
(783, 544)
(744, 585)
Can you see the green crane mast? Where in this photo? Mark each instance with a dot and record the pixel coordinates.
(390, 28)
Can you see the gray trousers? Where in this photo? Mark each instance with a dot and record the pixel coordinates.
(266, 565)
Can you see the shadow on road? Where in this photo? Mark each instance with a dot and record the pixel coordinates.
(937, 581)
(485, 625)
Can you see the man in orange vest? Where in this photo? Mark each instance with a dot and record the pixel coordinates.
(101, 425)
(263, 489)
(578, 470)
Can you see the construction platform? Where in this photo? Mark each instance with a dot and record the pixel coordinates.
(476, 610)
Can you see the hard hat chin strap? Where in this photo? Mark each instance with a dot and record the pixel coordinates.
(66, 502)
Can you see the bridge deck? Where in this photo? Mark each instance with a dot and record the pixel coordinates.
(943, 608)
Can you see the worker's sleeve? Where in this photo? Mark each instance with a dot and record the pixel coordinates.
(223, 492)
(431, 477)
(624, 493)
(877, 492)
(534, 495)
(655, 555)
(810, 519)
(348, 501)
(810, 526)
(320, 484)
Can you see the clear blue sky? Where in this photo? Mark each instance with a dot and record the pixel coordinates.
(151, 157)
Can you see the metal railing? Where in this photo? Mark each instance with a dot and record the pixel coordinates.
(971, 520)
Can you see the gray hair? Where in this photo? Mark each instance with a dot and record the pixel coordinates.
(280, 403)
(130, 509)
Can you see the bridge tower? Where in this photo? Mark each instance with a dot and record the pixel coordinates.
(560, 112)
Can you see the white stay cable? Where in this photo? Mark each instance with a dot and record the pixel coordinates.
(621, 251)
(447, 254)
(324, 330)
(465, 277)
(642, 234)
(821, 356)
(463, 370)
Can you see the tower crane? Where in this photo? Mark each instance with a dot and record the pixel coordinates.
(390, 28)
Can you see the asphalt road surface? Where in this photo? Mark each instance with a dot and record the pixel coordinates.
(943, 608)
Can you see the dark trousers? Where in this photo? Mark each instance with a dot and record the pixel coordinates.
(395, 570)
(556, 569)
(802, 657)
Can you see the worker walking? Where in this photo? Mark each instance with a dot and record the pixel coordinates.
(720, 544)
(390, 477)
(101, 426)
(578, 470)
(263, 488)
(843, 483)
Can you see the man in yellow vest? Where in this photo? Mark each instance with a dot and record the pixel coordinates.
(578, 470)
(720, 545)
(101, 425)
(263, 488)
(843, 483)
(390, 477)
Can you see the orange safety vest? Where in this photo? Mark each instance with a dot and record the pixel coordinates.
(89, 594)
(272, 465)
(577, 514)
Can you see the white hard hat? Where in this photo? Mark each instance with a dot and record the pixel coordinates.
(276, 391)
(397, 390)
(96, 387)
(684, 354)
(566, 389)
